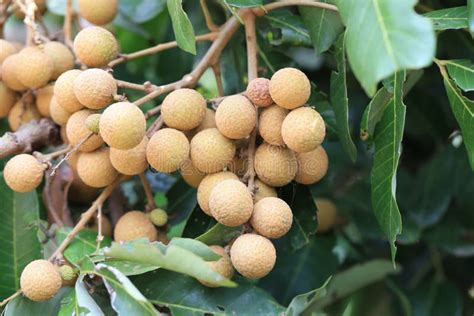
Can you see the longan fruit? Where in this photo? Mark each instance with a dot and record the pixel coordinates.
(223, 266)
(58, 114)
(68, 275)
(191, 175)
(9, 73)
(122, 125)
(43, 99)
(312, 166)
(130, 161)
(183, 109)
(236, 117)
(34, 67)
(271, 217)
(95, 47)
(95, 88)
(231, 203)
(135, 225)
(253, 256)
(303, 130)
(158, 217)
(22, 113)
(6, 49)
(290, 88)
(7, 99)
(207, 185)
(81, 193)
(76, 132)
(64, 91)
(269, 125)
(211, 151)
(327, 215)
(23, 173)
(40, 280)
(276, 166)
(95, 168)
(263, 191)
(167, 150)
(258, 91)
(62, 57)
(98, 12)
(209, 121)
(92, 123)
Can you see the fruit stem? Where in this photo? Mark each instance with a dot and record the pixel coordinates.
(100, 237)
(216, 68)
(73, 150)
(207, 16)
(8, 299)
(148, 192)
(67, 26)
(4, 15)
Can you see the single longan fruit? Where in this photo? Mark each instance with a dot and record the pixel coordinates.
(68, 275)
(271, 217)
(236, 117)
(167, 150)
(158, 217)
(276, 166)
(263, 191)
(76, 132)
(95, 88)
(40, 280)
(9, 73)
(62, 57)
(327, 215)
(303, 130)
(122, 125)
(223, 266)
(95, 168)
(6, 49)
(135, 225)
(7, 99)
(58, 114)
(207, 185)
(34, 67)
(43, 99)
(183, 109)
(312, 166)
(92, 123)
(64, 91)
(258, 91)
(22, 113)
(231, 203)
(81, 193)
(191, 175)
(105, 223)
(211, 151)
(253, 256)
(209, 121)
(23, 173)
(269, 125)
(290, 88)
(95, 47)
(130, 161)
(98, 12)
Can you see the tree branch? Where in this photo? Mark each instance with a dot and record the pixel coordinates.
(67, 26)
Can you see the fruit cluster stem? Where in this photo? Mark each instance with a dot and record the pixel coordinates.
(3, 14)
(150, 205)
(67, 26)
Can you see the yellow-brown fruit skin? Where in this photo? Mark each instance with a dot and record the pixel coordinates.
(263, 190)
(64, 91)
(236, 117)
(312, 166)
(76, 131)
(134, 225)
(327, 215)
(183, 109)
(191, 174)
(303, 130)
(167, 150)
(122, 125)
(269, 125)
(276, 166)
(209, 121)
(58, 114)
(43, 99)
(271, 217)
(211, 151)
(7, 99)
(95, 168)
(223, 266)
(95, 88)
(22, 113)
(40, 280)
(253, 256)
(23, 173)
(258, 91)
(35, 67)
(207, 185)
(130, 161)
(290, 88)
(62, 57)
(95, 46)
(9, 73)
(6, 49)
(98, 12)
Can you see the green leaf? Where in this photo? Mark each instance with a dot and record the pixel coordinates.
(435, 297)
(450, 18)
(452, 238)
(388, 138)
(287, 28)
(182, 27)
(20, 245)
(302, 301)
(470, 10)
(198, 248)
(244, 3)
(182, 201)
(395, 43)
(21, 305)
(140, 11)
(219, 234)
(340, 101)
(79, 301)
(462, 72)
(128, 267)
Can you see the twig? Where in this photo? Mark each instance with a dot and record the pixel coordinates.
(3, 14)
(152, 112)
(29, 7)
(147, 86)
(150, 205)
(53, 155)
(155, 126)
(216, 68)
(277, 5)
(67, 26)
(207, 16)
(73, 150)
(100, 237)
(8, 299)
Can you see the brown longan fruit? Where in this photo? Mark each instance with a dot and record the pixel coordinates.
(22, 113)
(23, 173)
(327, 215)
(290, 88)
(58, 114)
(211, 151)
(303, 130)
(122, 125)
(62, 57)
(253, 256)
(76, 132)
(95, 88)
(6, 49)
(269, 125)
(207, 185)
(9, 73)
(263, 190)
(40, 280)
(191, 175)
(167, 150)
(43, 99)
(7, 99)
(276, 166)
(34, 67)
(271, 217)
(95, 47)
(95, 168)
(183, 109)
(236, 117)
(135, 225)
(130, 161)
(312, 166)
(223, 266)
(98, 12)
(258, 91)
(64, 91)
